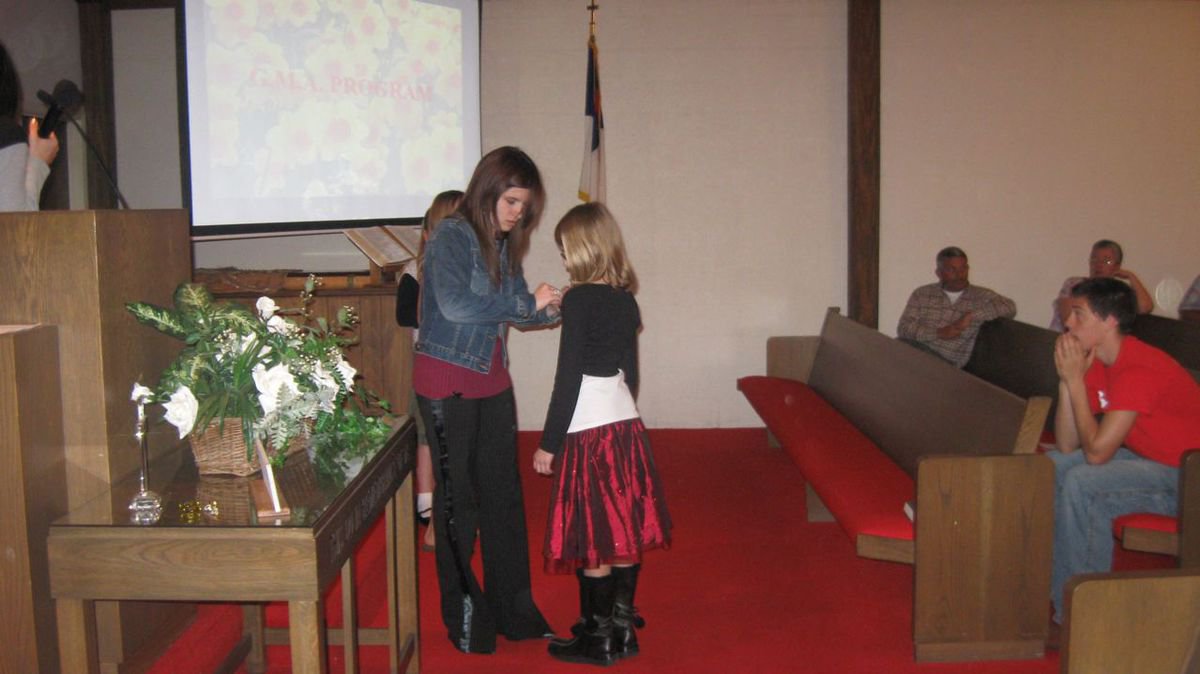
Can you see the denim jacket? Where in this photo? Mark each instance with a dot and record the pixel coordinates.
(462, 313)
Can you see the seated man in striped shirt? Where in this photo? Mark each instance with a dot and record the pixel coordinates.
(944, 317)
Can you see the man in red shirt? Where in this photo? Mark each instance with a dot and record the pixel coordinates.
(1126, 414)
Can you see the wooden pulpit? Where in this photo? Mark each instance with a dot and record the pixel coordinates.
(75, 270)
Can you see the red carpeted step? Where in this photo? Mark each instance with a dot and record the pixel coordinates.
(749, 585)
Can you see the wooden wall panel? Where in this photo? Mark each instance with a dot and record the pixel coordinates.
(75, 270)
(863, 164)
(33, 472)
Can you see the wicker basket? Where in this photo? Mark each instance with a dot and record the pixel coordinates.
(231, 494)
(222, 451)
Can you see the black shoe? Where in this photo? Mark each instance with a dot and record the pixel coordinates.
(595, 645)
(464, 646)
(625, 615)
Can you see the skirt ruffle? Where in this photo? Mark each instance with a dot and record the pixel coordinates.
(607, 504)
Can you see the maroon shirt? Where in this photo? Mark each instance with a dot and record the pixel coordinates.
(436, 379)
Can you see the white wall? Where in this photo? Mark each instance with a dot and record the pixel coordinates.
(1020, 130)
(1025, 131)
(726, 133)
(144, 46)
(43, 40)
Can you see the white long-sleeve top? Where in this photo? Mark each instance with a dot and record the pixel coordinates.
(21, 178)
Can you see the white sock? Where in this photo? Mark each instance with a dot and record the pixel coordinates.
(424, 501)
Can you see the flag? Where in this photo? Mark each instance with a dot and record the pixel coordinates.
(591, 178)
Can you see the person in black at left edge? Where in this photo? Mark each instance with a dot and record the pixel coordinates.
(25, 157)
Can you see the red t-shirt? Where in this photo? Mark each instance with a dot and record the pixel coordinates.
(1148, 381)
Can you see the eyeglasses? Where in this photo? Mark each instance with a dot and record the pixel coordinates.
(1097, 260)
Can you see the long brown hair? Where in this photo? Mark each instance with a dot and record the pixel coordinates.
(10, 87)
(499, 170)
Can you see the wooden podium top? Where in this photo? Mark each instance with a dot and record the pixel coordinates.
(241, 283)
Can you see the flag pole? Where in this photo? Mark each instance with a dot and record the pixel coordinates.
(591, 178)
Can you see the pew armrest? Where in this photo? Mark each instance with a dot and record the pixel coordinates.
(985, 535)
(1189, 510)
(1132, 621)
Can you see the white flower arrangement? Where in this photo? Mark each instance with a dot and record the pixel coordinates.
(280, 378)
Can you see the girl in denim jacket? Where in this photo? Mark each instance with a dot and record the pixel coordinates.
(472, 290)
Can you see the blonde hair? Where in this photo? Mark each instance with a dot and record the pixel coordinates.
(592, 247)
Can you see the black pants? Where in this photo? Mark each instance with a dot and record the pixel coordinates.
(473, 443)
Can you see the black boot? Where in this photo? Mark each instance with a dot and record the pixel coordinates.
(625, 614)
(595, 645)
(585, 610)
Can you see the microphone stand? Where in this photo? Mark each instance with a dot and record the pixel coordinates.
(99, 160)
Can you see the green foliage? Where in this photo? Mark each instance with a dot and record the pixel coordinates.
(163, 320)
(351, 434)
(282, 378)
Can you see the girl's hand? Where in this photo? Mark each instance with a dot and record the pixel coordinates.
(542, 462)
(547, 295)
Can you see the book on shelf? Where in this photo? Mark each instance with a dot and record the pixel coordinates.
(387, 247)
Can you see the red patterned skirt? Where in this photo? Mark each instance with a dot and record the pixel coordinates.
(607, 504)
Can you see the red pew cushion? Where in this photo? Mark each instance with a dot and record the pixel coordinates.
(863, 488)
(1149, 521)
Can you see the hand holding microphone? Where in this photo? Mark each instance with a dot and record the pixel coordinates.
(67, 98)
(42, 144)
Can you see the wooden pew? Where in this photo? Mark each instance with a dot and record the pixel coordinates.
(1133, 622)
(1019, 358)
(983, 537)
(1181, 339)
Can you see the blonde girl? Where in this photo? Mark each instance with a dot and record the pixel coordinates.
(607, 504)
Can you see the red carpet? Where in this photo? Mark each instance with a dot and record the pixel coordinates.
(748, 586)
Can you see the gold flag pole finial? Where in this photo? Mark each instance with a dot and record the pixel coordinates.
(592, 19)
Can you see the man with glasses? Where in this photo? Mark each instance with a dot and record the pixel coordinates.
(1105, 262)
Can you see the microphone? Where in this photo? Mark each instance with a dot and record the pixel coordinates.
(53, 112)
(66, 98)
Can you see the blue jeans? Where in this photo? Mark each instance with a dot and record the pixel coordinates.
(1088, 498)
